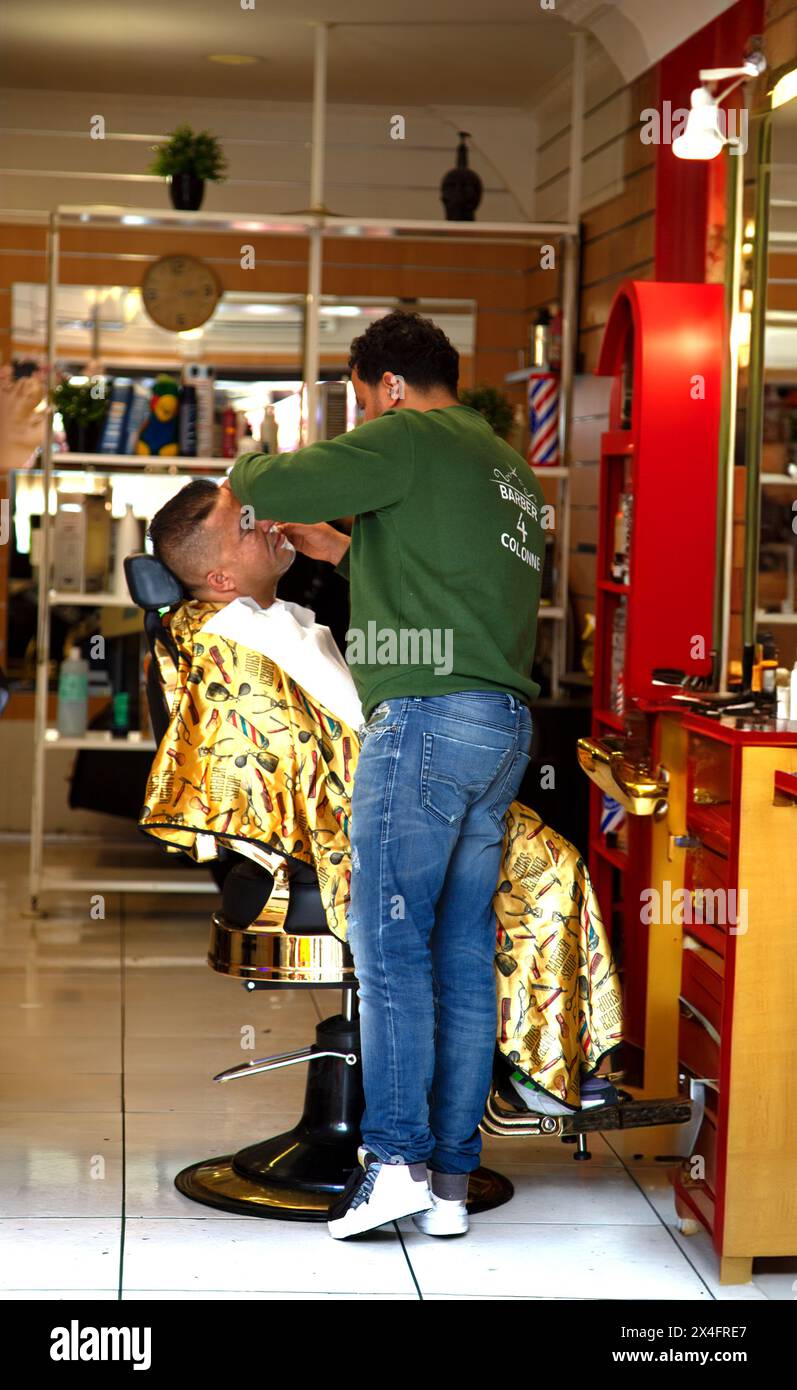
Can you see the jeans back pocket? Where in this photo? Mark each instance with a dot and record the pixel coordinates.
(455, 772)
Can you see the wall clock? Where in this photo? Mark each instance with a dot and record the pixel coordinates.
(180, 292)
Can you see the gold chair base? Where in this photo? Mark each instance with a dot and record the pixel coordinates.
(274, 956)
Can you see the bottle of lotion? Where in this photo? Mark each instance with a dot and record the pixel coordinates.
(73, 695)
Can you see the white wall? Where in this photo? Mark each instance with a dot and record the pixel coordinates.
(47, 155)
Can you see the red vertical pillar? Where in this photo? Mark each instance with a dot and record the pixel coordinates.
(684, 187)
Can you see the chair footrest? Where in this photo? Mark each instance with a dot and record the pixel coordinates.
(505, 1117)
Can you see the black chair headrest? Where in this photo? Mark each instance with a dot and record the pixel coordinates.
(151, 584)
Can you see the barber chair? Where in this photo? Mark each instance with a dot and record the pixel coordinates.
(271, 933)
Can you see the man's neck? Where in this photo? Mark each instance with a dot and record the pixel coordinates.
(264, 598)
(431, 400)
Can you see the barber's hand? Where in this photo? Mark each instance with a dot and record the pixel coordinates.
(318, 542)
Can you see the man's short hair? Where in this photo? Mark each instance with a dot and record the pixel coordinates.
(179, 538)
(409, 345)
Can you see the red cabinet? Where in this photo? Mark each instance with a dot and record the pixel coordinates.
(663, 345)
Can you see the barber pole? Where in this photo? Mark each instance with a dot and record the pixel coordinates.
(544, 419)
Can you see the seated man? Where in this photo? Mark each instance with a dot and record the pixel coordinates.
(198, 535)
(260, 753)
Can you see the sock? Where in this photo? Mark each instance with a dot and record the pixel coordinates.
(450, 1186)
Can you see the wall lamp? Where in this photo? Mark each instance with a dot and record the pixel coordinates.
(704, 137)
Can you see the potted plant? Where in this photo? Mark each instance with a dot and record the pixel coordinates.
(189, 159)
(83, 412)
(493, 405)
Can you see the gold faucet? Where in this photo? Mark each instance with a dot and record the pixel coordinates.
(637, 789)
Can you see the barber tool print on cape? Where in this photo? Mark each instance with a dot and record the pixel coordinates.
(259, 762)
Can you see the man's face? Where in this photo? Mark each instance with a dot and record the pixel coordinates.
(372, 400)
(250, 557)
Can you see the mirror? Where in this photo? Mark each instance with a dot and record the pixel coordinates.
(777, 599)
(257, 334)
(770, 386)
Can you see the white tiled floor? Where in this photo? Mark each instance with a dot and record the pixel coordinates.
(110, 1032)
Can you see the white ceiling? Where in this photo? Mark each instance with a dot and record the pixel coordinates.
(454, 51)
(638, 33)
(471, 52)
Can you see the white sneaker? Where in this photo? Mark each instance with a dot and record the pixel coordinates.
(376, 1194)
(447, 1216)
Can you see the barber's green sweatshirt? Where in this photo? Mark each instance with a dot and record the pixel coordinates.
(445, 563)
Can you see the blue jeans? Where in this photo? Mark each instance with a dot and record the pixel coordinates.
(435, 777)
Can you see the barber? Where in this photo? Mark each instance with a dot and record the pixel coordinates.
(445, 567)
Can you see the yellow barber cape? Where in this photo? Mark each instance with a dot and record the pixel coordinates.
(250, 759)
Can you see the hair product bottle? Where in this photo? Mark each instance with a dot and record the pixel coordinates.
(73, 695)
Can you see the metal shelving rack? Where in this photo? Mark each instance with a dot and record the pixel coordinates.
(47, 740)
(315, 225)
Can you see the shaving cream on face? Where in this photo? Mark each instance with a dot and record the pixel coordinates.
(286, 544)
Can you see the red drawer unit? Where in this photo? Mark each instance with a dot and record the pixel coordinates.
(739, 990)
(702, 981)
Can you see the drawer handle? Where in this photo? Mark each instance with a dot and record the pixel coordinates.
(710, 1081)
(690, 1011)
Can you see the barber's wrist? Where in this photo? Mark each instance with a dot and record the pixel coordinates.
(339, 545)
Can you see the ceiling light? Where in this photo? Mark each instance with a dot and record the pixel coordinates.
(232, 60)
(344, 311)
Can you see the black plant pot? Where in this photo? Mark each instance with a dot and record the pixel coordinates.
(82, 437)
(186, 191)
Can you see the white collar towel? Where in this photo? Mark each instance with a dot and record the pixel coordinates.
(289, 635)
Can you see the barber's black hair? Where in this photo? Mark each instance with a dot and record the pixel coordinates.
(409, 345)
(173, 529)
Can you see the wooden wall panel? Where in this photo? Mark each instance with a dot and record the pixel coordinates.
(612, 253)
(619, 234)
(636, 200)
(781, 32)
